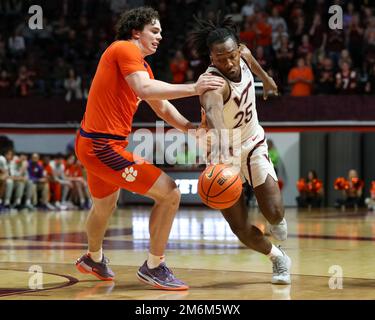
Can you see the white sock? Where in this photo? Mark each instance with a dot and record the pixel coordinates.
(96, 256)
(275, 252)
(154, 261)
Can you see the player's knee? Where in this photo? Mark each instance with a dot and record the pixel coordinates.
(173, 195)
(9, 183)
(276, 214)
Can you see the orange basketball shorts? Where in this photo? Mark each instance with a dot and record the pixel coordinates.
(110, 166)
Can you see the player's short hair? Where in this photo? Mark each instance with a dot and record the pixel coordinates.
(209, 33)
(135, 19)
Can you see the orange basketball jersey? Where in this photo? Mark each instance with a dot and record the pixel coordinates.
(112, 103)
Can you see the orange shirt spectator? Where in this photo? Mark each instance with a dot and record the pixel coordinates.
(248, 35)
(179, 67)
(301, 78)
(264, 31)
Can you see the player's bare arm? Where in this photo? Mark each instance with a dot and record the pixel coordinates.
(269, 84)
(149, 89)
(213, 104)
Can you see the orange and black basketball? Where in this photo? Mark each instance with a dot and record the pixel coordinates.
(219, 186)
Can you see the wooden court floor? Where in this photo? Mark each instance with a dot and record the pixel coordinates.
(333, 256)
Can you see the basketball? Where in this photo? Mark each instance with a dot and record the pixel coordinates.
(219, 186)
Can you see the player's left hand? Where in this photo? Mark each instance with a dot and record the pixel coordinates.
(269, 85)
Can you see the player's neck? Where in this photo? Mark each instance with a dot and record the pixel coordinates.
(139, 45)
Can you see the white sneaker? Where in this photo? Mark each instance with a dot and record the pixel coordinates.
(281, 269)
(279, 231)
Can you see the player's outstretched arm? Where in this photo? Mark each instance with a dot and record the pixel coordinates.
(151, 89)
(269, 84)
(168, 112)
(213, 104)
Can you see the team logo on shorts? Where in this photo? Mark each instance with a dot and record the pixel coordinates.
(130, 174)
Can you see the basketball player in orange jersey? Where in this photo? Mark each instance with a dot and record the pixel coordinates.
(122, 79)
(233, 107)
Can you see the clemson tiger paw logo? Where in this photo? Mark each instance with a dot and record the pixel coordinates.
(129, 174)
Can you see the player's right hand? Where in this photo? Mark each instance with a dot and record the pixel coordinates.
(207, 82)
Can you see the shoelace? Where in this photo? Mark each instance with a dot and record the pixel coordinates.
(165, 270)
(279, 266)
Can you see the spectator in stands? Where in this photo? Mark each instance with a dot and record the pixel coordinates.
(248, 33)
(16, 45)
(305, 47)
(39, 179)
(370, 201)
(355, 40)
(261, 58)
(263, 33)
(23, 186)
(310, 191)
(24, 83)
(235, 13)
(348, 15)
(352, 194)
(318, 33)
(5, 84)
(248, 8)
(58, 170)
(278, 33)
(346, 79)
(6, 186)
(275, 20)
(326, 77)
(58, 75)
(189, 78)
(74, 174)
(284, 60)
(335, 44)
(345, 57)
(72, 85)
(179, 66)
(301, 79)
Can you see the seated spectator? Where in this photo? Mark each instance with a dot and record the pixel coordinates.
(310, 191)
(335, 44)
(326, 77)
(301, 78)
(370, 201)
(74, 174)
(261, 58)
(72, 84)
(23, 186)
(179, 66)
(24, 82)
(58, 171)
(5, 84)
(346, 79)
(351, 191)
(6, 185)
(37, 175)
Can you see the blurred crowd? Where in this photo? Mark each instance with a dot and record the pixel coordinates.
(47, 183)
(290, 39)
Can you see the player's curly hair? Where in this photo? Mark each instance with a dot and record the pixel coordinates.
(208, 33)
(135, 19)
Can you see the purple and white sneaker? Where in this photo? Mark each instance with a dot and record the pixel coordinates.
(161, 278)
